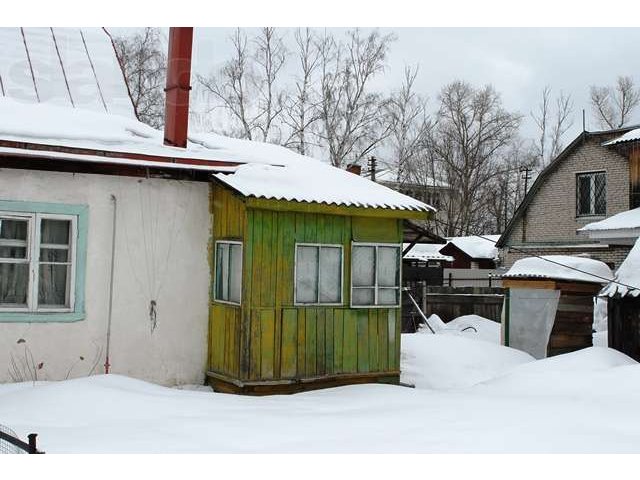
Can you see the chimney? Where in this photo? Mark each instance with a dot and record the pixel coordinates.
(354, 168)
(176, 110)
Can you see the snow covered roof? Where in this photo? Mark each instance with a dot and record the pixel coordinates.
(627, 137)
(476, 246)
(63, 66)
(628, 273)
(561, 267)
(426, 251)
(257, 169)
(390, 175)
(622, 228)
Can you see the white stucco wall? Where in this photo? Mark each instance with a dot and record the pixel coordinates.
(163, 227)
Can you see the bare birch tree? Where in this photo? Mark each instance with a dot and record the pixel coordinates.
(472, 132)
(247, 84)
(409, 128)
(552, 124)
(301, 108)
(613, 106)
(351, 124)
(143, 61)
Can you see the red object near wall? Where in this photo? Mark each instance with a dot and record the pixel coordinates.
(176, 122)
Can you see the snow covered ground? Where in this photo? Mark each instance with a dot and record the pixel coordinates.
(470, 396)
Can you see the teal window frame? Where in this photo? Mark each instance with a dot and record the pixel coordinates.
(81, 212)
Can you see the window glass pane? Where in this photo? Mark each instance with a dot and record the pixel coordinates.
(56, 232)
(11, 229)
(388, 266)
(13, 252)
(13, 238)
(584, 194)
(306, 274)
(235, 272)
(363, 264)
(600, 188)
(54, 255)
(388, 296)
(14, 283)
(362, 296)
(52, 286)
(330, 274)
(222, 275)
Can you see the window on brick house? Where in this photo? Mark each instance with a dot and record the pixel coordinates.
(591, 193)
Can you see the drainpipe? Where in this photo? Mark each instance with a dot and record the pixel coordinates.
(107, 365)
(176, 113)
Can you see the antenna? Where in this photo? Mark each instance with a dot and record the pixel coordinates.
(584, 128)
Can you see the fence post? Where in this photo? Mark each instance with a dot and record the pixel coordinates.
(450, 279)
(32, 442)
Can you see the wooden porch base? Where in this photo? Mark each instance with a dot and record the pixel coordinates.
(224, 384)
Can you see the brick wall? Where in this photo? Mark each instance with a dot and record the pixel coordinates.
(551, 215)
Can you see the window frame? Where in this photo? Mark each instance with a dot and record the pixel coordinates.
(376, 287)
(295, 274)
(215, 271)
(81, 211)
(591, 174)
(33, 248)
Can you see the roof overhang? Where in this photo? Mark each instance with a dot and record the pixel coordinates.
(616, 236)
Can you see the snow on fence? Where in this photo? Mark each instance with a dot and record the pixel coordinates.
(472, 277)
(10, 443)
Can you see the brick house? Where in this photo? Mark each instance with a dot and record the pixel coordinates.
(595, 177)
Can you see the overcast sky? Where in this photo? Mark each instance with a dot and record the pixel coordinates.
(519, 62)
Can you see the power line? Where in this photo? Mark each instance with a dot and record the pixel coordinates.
(609, 280)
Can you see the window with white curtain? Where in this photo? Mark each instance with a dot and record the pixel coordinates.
(318, 274)
(228, 273)
(375, 275)
(37, 262)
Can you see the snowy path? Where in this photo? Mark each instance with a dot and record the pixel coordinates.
(470, 396)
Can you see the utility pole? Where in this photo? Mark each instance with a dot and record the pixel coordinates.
(526, 176)
(372, 162)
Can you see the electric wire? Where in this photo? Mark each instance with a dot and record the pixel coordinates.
(529, 254)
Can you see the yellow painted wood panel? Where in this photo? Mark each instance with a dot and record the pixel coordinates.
(289, 355)
(338, 340)
(267, 343)
(350, 342)
(363, 340)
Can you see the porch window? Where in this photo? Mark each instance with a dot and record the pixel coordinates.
(228, 272)
(591, 193)
(375, 275)
(37, 262)
(318, 274)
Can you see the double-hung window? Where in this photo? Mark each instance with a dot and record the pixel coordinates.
(591, 193)
(318, 274)
(37, 262)
(228, 272)
(375, 275)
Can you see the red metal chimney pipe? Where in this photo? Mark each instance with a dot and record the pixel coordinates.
(176, 111)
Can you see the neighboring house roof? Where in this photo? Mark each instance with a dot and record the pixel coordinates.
(621, 226)
(254, 168)
(71, 67)
(631, 136)
(561, 267)
(390, 175)
(426, 251)
(628, 274)
(477, 247)
(544, 174)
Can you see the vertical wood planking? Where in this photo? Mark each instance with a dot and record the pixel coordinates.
(391, 329)
(398, 323)
(311, 341)
(373, 341)
(289, 351)
(383, 341)
(255, 354)
(267, 343)
(288, 220)
(338, 340)
(363, 340)
(350, 343)
(329, 339)
(302, 339)
(320, 341)
(256, 264)
(267, 265)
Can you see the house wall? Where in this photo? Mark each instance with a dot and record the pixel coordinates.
(270, 338)
(551, 216)
(161, 254)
